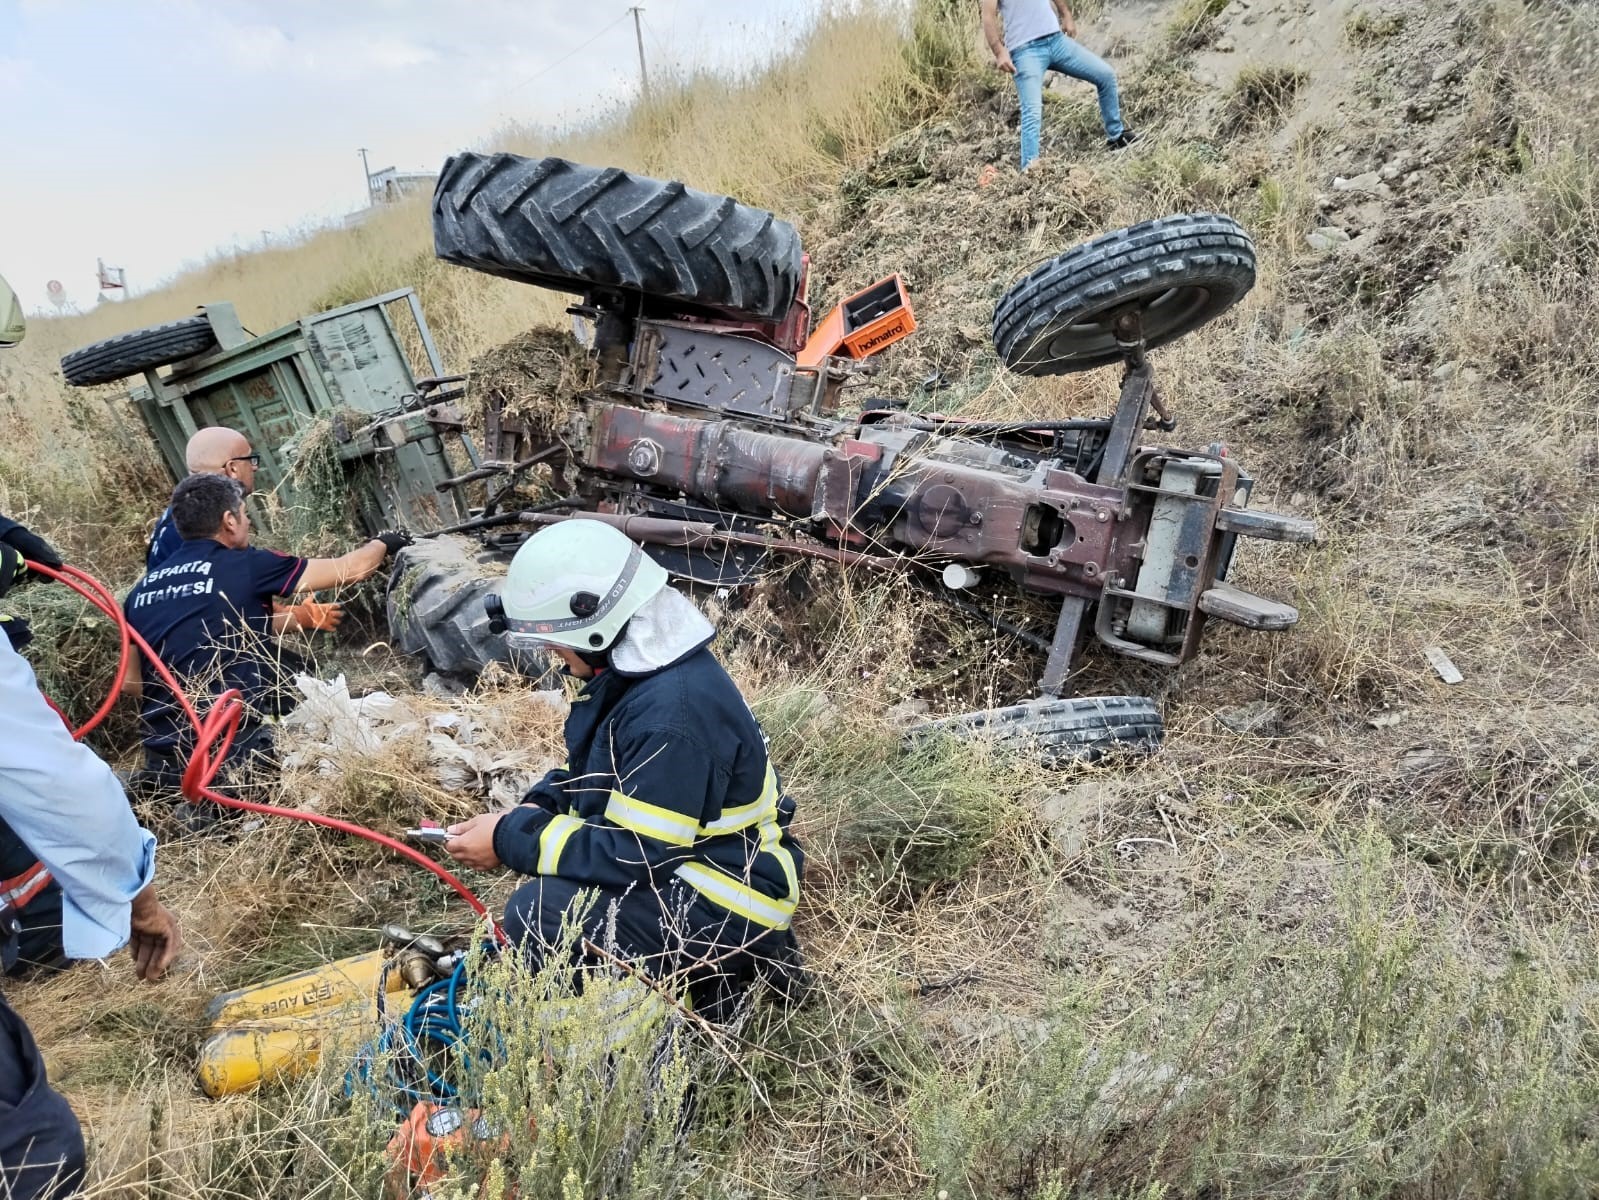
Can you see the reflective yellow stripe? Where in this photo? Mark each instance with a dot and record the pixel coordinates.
(553, 840)
(772, 843)
(651, 820)
(745, 815)
(738, 897)
(726, 891)
(722, 889)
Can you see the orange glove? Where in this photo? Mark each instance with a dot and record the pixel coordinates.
(309, 614)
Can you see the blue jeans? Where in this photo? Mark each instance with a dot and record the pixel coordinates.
(1058, 52)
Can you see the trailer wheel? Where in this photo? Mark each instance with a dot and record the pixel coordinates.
(1059, 732)
(138, 351)
(435, 608)
(575, 228)
(1179, 271)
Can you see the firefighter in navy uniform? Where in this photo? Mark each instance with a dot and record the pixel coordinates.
(63, 804)
(667, 820)
(207, 610)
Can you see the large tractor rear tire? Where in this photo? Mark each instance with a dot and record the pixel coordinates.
(575, 228)
(138, 351)
(435, 608)
(1180, 272)
(1059, 732)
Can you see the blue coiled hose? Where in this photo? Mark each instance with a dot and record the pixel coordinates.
(433, 1020)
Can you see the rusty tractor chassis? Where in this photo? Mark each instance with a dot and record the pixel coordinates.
(685, 413)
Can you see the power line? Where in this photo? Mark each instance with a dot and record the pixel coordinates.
(542, 71)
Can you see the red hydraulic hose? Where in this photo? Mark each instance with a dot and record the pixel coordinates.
(106, 603)
(214, 734)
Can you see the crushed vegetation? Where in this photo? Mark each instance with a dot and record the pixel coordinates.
(531, 378)
(74, 653)
(323, 520)
(1337, 938)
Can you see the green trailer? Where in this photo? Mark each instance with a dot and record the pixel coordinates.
(367, 378)
(366, 375)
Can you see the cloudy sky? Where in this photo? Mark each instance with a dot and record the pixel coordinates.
(150, 133)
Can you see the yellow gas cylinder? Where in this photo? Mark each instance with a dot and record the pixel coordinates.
(277, 1030)
(250, 1053)
(347, 981)
(236, 1060)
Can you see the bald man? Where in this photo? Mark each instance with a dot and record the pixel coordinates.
(217, 450)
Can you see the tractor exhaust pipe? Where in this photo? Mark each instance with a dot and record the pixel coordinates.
(662, 532)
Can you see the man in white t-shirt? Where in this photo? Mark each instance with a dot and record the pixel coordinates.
(1039, 36)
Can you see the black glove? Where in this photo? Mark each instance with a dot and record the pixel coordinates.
(394, 539)
(28, 543)
(16, 631)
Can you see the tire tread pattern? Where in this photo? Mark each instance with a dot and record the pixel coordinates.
(572, 227)
(441, 616)
(1058, 732)
(137, 351)
(1192, 248)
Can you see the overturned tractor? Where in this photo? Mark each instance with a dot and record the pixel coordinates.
(710, 427)
(712, 422)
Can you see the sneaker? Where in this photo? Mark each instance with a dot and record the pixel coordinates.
(1127, 138)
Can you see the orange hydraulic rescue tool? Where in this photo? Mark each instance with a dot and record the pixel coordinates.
(862, 325)
(433, 1139)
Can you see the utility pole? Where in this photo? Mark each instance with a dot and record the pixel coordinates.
(366, 173)
(638, 34)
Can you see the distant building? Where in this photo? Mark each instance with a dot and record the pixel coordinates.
(391, 184)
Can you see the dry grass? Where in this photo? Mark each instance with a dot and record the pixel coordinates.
(1192, 24)
(1354, 955)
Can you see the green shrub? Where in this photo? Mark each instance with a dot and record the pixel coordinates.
(914, 816)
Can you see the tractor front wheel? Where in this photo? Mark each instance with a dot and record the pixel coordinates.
(1177, 272)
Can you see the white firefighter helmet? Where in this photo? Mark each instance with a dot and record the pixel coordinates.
(12, 325)
(576, 584)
